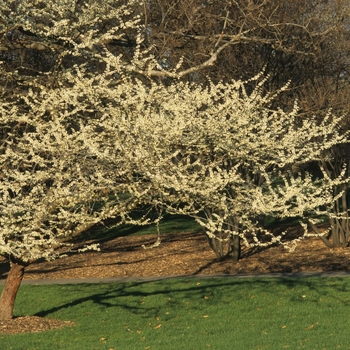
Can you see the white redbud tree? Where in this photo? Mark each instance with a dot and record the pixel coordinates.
(93, 136)
(224, 157)
(51, 188)
(52, 185)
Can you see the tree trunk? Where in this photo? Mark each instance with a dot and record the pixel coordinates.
(215, 245)
(236, 248)
(8, 295)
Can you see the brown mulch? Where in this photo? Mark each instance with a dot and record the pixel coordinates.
(31, 324)
(187, 254)
(180, 254)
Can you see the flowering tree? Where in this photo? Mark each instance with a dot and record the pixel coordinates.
(52, 185)
(339, 233)
(221, 155)
(43, 171)
(87, 134)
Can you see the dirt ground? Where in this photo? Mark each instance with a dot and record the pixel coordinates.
(180, 254)
(185, 254)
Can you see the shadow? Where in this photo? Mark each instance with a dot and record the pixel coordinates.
(95, 259)
(172, 292)
(246, 253)
(322, 265)
(134, 245)
(107, 231)
(206, 266)
(4, 269)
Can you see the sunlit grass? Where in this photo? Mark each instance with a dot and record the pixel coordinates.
(225, 313)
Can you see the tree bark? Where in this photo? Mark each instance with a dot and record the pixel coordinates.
(8, 295)
(236, 248)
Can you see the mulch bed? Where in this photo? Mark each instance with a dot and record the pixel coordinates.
(31, 324)
(185, 254)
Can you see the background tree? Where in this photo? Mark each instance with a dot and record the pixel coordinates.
(292, 40)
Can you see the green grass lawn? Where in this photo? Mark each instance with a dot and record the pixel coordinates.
(225, 313)
(170, 224)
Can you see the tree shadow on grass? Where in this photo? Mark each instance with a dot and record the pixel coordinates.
(172, 293)
(106, 231)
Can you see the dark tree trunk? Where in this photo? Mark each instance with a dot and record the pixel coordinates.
(236, 248)
(223, 249)
(8, 295)
(340, 229)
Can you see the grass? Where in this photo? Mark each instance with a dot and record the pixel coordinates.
(225, 313)
(170, 224)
